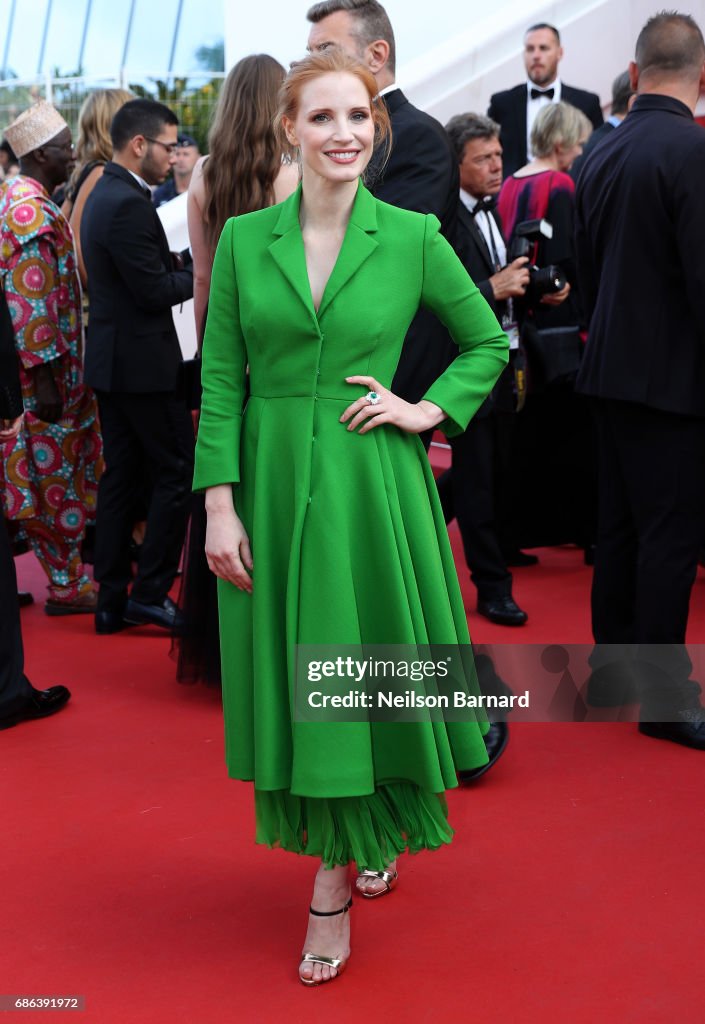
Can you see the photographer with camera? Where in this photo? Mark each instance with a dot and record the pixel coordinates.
(472, 491)
(552, 453)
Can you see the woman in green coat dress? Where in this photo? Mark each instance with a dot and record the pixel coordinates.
(324, 525)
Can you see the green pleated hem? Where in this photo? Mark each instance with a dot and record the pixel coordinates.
(369, 830)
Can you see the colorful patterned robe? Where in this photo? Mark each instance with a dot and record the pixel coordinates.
(50, 472)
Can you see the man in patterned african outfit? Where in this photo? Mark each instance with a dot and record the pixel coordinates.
(48, 475)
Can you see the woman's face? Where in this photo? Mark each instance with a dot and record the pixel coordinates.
(567, 155)
(333, 127)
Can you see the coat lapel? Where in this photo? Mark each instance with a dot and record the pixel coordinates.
(357, 245)
(288, 250)
(470, 223)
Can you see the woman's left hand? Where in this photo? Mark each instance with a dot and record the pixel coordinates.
(414, 419)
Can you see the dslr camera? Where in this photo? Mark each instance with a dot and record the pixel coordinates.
(542, 280)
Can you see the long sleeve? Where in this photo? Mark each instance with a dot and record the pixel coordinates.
(223, 375)
(483, 345)
(137, 256)
(32, 270)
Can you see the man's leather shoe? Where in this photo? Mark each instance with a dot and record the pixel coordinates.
(519, 559)
(109, 622)
(496, 741)
(165, 615)
(502, 610)
(687, 728)
(24, 598)
(40, 704)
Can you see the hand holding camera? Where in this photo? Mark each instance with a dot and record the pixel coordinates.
(543, 281)
(511, 281)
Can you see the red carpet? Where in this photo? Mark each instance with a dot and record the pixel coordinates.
(571, 893)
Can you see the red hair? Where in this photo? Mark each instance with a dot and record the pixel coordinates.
(332, 61)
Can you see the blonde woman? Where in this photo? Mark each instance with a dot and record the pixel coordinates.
(93, 150)
(552, 472)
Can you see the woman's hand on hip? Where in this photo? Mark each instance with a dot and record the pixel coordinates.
(367, 413)
(228, 548)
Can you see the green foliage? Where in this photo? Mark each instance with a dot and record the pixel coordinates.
(211, 58)
(192, 103)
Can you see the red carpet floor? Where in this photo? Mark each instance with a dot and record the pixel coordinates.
(571, 893)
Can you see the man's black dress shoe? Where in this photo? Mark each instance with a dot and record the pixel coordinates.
(519, 559)
(24, 598)
(502, 610)
(39, 704)
(109, 622)
(496, 741)
(165, 615)
(687, 728)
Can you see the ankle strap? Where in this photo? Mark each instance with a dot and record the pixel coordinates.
(331, 913)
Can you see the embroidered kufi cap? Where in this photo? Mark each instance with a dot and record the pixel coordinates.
(34, 128)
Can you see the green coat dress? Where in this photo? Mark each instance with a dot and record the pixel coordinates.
(348, 538)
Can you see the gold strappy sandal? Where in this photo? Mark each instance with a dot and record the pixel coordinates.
(390, 879)
(326, 961)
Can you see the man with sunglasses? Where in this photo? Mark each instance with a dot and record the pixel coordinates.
(132, 362)
(49, 468)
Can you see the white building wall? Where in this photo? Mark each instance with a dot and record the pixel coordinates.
(453, 54)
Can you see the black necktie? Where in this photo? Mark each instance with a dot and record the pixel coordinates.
(484, 206)
(537, 93)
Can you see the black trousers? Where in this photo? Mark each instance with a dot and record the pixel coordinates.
(14, 685)
(650, 528)
(153, 429)
(472, 492)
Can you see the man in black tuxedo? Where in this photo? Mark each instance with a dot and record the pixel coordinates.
(19, 700)
(516, 109)
(473, 490)
(622, 94)
(421, 173)
(640, 215)
(133, 363)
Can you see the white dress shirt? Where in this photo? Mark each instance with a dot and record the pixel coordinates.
(533, 107)
(488, 229)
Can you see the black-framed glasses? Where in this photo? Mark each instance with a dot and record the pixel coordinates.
(170, 147)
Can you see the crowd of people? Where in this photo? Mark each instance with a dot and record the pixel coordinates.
(362, 277)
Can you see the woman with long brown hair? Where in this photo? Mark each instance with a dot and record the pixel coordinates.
(247, 169)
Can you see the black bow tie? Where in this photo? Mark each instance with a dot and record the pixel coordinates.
(537, 93)
(484, 206)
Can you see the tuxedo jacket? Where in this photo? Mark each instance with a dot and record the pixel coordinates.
(508, 108)
(10, 392)
(640, 212)
(132, 344)
(474, 254)
(421, 175)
